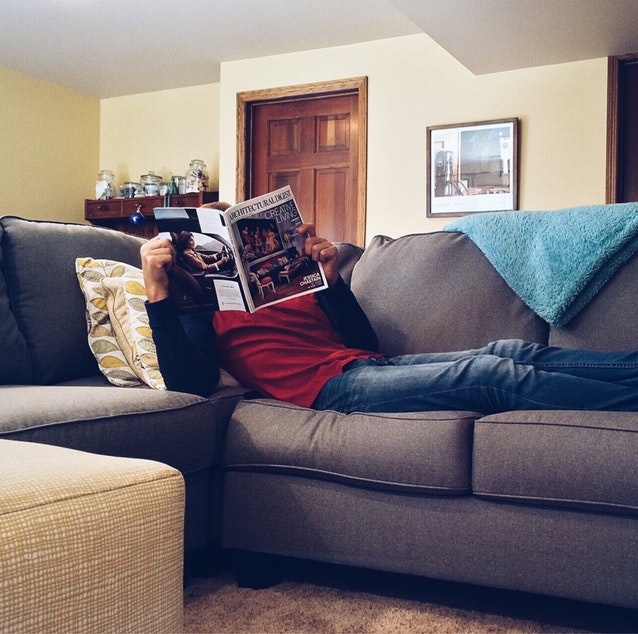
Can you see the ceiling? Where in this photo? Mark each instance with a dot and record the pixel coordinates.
(115, 48)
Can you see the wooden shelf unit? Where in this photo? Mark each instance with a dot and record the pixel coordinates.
(115, 212)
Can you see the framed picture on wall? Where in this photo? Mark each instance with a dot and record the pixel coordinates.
(472, 167)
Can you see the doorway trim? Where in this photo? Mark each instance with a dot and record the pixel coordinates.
(247, 100)
(614, 132)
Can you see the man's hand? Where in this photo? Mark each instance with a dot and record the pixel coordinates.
(158, 257)
(321, 250)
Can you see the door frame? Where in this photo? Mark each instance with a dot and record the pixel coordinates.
(614, 128)
(247, 100)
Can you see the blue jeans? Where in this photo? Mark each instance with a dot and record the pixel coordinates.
(502, 376)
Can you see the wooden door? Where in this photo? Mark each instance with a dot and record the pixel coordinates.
(312, 142)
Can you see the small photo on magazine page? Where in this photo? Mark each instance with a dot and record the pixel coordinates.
(205, 261)
(274, 259)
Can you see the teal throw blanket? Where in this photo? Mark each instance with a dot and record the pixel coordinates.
(556, 261)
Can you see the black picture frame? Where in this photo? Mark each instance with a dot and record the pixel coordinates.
(472, 167)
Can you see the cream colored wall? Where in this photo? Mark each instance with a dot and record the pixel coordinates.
(414, 83)
(54, 140)
(49, 139)
(161, 132)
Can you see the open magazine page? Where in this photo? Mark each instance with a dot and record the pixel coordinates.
(270, 251)
(205, 275)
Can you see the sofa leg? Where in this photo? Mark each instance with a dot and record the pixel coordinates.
(256, 570)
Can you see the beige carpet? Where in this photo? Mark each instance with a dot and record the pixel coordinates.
(217, 604)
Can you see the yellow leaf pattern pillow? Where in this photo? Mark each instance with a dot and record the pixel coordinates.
(118, 332)
(125, 297)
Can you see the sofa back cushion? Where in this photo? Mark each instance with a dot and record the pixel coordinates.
(47, 325)
(436, 292)
(608, 321)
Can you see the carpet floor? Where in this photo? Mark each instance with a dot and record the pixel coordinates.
(338, 600)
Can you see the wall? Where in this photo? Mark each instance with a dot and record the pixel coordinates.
(414, 83)
(161, 132)
(49, 139)
(54, 140)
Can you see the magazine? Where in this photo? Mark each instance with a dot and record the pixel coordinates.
(243, 258)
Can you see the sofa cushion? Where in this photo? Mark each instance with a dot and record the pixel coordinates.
(38, 260)
(15, 366)
(608, 322)
(437, 292)
(578, 459)
(172, 427)
(423, 453)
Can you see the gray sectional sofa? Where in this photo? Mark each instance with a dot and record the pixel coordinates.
(540, 501)
(543, 501)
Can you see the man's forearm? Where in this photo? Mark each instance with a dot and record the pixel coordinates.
(348, 318)
(183, 365)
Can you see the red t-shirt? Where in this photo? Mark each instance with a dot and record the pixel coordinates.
(287, 351)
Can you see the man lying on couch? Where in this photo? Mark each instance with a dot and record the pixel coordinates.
(320, 351)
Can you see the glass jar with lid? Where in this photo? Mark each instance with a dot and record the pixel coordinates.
(105, 185)
(179, 184)
(196, 177)
(151, 184)
(129, 189)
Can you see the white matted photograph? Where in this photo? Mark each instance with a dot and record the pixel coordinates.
(472, 167)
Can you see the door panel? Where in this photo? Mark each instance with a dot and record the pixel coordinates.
(331, 201)
(284, 137)
(277, 180)
(333, 132)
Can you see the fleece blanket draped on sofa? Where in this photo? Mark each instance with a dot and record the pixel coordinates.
(556, 261)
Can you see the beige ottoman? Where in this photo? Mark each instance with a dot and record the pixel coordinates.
(88, 543)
